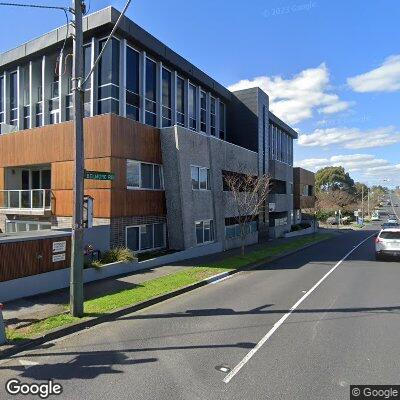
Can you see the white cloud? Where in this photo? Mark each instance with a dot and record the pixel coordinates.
(351, 138)
(385, 78)
(294, 100)
(365, 165)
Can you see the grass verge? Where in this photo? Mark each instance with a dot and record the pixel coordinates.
(159, 286)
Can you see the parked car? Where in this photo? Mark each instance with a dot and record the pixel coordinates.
(387, 243)
(331, 221)
(387, 225)
(392, 220)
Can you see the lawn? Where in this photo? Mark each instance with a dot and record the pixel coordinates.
(159, 286)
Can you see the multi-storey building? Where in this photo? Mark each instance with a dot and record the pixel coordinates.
(304, 193)
(166, 130)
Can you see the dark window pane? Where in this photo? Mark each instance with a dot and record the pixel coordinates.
(199, 232)
(192, 107)
(13, 90)
(133, 173)
(203, 178)
(147, 176)
(146, 237)
(132, 70)
(108, 70)
(166, 88)
(132, 112)
(157, 177)
(150, 80)
(108, 91)
(87, 64)
(159, 235)
(195, 177)
(132, 238)
(180, 96)
(132, 98)
(150, 119)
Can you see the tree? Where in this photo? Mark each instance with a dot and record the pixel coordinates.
(249, 197)
(333, 178)
(360, 189)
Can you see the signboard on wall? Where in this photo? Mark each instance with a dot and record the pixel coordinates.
(59, 247)
(58, 257)
(99, 175)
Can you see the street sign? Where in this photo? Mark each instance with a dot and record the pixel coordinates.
(99, 175)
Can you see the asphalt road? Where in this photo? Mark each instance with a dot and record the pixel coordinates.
(346, 331)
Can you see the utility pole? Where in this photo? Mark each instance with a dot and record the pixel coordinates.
(76, 279)
(368, 205)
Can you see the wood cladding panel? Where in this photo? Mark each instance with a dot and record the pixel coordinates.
(138, 203)
(132, 140)
(26, 258)
(62, 202)
(52, 143)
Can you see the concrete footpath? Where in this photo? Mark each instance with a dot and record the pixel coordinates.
(29, 310)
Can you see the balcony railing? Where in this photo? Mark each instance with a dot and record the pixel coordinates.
(38, 200)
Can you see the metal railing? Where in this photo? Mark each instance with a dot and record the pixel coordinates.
(35, 199)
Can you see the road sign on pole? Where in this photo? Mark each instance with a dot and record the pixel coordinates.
(99, 175)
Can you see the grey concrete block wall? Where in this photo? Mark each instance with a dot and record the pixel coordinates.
(182, 148)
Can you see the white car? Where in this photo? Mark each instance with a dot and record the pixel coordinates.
(387, 243)
(392, 220)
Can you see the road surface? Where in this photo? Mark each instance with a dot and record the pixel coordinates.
(206, 344)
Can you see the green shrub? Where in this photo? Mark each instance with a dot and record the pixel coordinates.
(296, 227)
(118, 254)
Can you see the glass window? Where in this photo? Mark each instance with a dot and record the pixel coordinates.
(180, 101)
(199, 232)
(158, 179)
(159, 235)
(166, 98)
(132, 84)
(132, 238)
(203, 175)
(222, 128)
(14, 98)
(212, 116)
(147, 175)
(195, 177)
(192, 107)
(108, 78)
(151, 84)
(146, 237)
(203, 111)
(133, 173)
(204, 231)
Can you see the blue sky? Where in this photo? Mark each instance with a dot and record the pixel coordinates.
(331, 68)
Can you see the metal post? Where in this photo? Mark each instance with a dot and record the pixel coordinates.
(368, 205)
(362, 203)
(76, 281)
(3, 338)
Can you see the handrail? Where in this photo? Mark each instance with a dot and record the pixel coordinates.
(33, 199)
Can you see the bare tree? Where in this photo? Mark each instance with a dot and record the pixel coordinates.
(249, 197)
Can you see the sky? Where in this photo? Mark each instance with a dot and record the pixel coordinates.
(331, 68)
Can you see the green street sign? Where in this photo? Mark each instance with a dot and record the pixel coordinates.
(99, 175)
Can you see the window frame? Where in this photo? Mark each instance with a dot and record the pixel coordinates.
(208, 177)
(179, 113)
(195, 105)
(169, 109)
(161, 169)
(212, 231)
(132, 48)
(140, 226)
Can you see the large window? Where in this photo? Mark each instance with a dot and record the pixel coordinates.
(108, 78)
(14, 98)
(166, 98)
(203, 111)
(180, 101)
(192, 107)
(212, 115)
(151, 92)
(132, 84)
(2, 119)
(222, 121)
(204, 231)
(145, 237)
(233, 228)
(200, 178)
(140, 175)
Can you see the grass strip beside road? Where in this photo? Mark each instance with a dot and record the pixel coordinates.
(159, 286)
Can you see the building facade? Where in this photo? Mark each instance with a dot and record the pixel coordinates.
(166, 130)
(304, 193)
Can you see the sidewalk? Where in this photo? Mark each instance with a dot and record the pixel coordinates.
(25, 311)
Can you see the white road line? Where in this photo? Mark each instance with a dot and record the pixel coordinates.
(276, 326)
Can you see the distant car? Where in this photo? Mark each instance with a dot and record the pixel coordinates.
(396, 205)
(392, 220)
(387, 225)
(387, 243)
